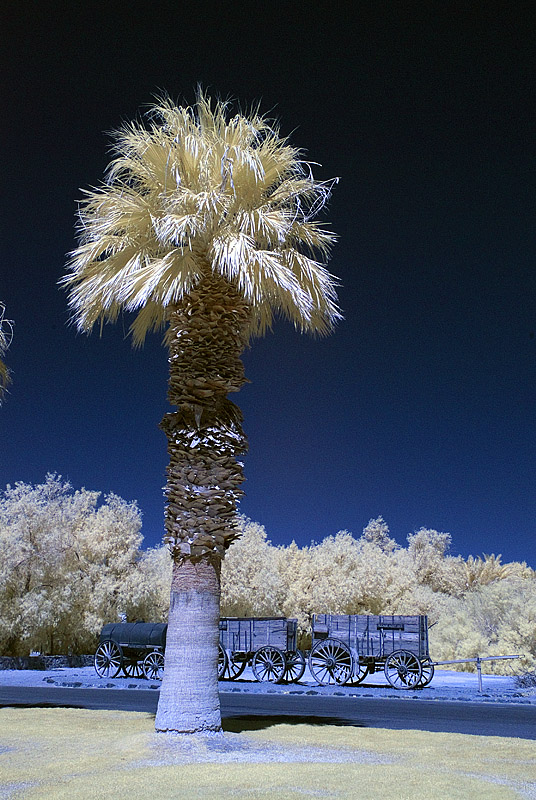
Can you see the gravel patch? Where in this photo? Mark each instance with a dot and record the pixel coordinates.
(525, 789)
(171, 749)
(10, 791)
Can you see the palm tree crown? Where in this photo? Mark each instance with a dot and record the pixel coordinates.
(199, 192)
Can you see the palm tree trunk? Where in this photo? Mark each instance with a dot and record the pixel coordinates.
(189, 700)
(205, 339)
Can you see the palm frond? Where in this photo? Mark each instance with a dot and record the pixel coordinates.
(198, 190)
(163, 281)
(151, 317)
(6, 335)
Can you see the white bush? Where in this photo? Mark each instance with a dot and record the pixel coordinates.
(63, 565)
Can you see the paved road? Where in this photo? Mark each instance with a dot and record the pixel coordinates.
(484, 719)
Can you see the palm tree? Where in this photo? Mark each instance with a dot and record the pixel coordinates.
(6, 333)
(203, 227)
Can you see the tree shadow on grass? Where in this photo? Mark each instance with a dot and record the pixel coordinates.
(253, 722)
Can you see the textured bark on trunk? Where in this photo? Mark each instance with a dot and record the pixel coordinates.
(205, 338)
(189, 700)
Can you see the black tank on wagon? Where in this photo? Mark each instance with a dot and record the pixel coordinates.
(135, 648)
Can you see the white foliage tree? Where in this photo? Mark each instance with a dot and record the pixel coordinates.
(428, 558)
(377, 532)
(294, 568)
(497, 618)
(251, 583)
(63, 560)
(144, 594)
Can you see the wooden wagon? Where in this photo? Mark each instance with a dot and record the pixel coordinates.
(346, 648)
(136, 648)
(269, 644)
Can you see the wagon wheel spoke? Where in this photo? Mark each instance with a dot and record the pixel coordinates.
(294, 666)
(236, 664)
(403, 670)
(361, 670)
(153, 666)
(133, 668)
(222, 662)
(108, 659)
(269, 664)
(330, 662)
(427, 669)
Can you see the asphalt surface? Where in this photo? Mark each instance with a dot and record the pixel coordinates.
(481, 718)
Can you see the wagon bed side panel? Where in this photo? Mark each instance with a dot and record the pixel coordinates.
(375, 636)
(235, 634)
(403, 632)
(270, 632)
(292, 634)
(248, 634)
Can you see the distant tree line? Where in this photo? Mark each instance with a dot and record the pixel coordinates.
(71, 561)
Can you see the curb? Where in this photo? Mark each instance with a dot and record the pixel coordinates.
(45, 662)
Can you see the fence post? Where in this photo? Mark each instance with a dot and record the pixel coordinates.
(479, 670)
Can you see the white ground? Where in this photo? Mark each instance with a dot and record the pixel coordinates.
(445, 685)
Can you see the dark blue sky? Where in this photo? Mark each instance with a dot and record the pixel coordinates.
(421, 406)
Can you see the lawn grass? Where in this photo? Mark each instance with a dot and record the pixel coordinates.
(110, 755)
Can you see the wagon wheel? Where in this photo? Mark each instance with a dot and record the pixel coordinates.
(360, 671)
(108, 659)
(294, 666)
(222, 662)
(331, 662)
(427, 668)
(153, 666)
(403, 670)
(133, 668)
(269, 664)
(236, 664)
